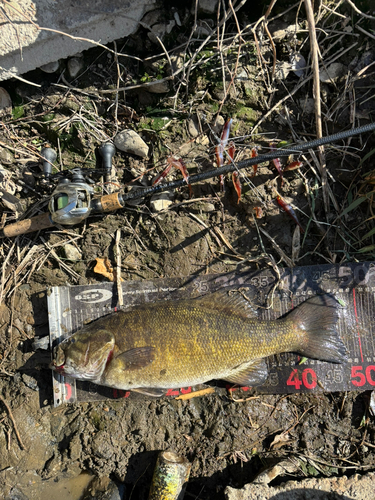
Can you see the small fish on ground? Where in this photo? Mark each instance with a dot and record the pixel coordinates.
(153, 347)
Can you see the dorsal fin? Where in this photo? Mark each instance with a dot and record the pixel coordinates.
(231, 302)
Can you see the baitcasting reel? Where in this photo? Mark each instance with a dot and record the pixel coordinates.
(72, 200)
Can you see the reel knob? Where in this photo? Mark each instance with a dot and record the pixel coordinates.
(48, 155)
(107, 151)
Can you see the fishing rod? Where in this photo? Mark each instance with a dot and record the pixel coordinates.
(234, 166)
(72, 201)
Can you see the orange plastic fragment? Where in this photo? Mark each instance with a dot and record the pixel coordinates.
(197, 394)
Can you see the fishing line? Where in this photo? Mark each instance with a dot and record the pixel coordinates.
(231, 167)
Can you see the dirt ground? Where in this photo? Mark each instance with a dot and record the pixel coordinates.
(208, 231)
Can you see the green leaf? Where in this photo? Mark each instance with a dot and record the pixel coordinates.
(17, 112)
(367, 235)
(368, 155)
(368, 249)
(355, 203)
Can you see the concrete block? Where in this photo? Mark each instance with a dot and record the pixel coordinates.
(24, 46)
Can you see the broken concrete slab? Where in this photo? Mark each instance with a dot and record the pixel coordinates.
(38, 32)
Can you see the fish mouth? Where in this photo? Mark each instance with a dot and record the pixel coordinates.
(57, 368)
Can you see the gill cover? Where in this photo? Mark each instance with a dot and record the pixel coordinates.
(84, 355)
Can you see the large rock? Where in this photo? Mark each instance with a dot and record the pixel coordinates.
(25, 47)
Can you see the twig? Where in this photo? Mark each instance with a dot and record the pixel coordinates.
(22, 446)
(354, 7)
(281, 253)
(118, 269)
(224, 240)
(74, 275)
(365, 32)
(226, 90)
(316, 94)
(265, 23)
(297, 87)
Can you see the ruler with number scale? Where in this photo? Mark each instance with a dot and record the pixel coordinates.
(353, 284)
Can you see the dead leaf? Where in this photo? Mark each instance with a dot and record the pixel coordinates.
(280, 441)
(104, 267)
(296, 244)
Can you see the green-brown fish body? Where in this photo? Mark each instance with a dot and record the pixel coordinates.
(188, 342)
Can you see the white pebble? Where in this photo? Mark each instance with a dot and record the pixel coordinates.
(130, 142)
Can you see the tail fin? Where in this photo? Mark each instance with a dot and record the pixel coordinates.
(317, 320)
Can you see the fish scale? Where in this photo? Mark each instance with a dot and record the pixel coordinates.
(187, 342)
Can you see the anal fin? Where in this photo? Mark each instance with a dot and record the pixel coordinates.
(249, 374)
(151, 391)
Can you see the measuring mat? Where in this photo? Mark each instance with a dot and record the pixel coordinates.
(353, 285)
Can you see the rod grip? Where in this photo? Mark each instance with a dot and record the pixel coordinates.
(28, 225)
(111, 202)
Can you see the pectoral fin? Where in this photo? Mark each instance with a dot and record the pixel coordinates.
(136, 358)
(249, 374)
(151, 391)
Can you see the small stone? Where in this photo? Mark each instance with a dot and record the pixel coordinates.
(157, 87)
(30, 382)
(6, 182)
(4, 314)
(30, 319)
(242, 75)
(5, 101)
(192, 128)
(281, 30)
(177, 61)
(41, 343)
(159, 30)
(282, 70)
(202, 31)
(130, 142)
(152, 17)
(333, 73)
(75, 447)
(307, 105)
(72, 253)
(298, 64)
(131, 262)
(161, 201)
(75, 65)
(207, 207)
(203, 140)
(202, 207)
(5, 156)
(51, 67)
(208, 6)
(177, 19)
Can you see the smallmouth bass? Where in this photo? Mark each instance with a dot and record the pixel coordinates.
(171, 344)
